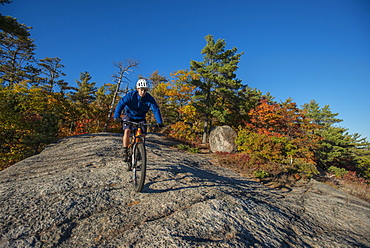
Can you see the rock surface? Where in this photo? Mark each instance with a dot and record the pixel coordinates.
(222, 139)
(77, 194)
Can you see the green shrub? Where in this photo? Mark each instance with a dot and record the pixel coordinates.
(261, 174)
(188, 148)
(193, 149)
(338, 172)
(305, 168)
(183, 147)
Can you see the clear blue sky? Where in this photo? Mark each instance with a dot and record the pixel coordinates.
(317, 49)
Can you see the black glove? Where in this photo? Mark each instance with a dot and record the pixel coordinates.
(118, 120)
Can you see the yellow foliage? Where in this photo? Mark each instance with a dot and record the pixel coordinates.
(182, 131)
(162, 87)
(189, 113)
(21, 87)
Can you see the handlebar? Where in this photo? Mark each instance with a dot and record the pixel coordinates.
(139, 124)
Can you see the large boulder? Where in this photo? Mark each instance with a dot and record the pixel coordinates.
(222, 139)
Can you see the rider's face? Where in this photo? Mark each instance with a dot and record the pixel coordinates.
(142, 91)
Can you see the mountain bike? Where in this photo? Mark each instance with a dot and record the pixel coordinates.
(137, 154)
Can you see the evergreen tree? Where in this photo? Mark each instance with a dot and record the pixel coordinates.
(16, 56)
(10, 24)
(81, 117)
(5, 1)
(216, 90)
(52, 70)
(100, 107)
(361, 153)
(320, 116)
(335, 146)
(85, 92)
(29, 115)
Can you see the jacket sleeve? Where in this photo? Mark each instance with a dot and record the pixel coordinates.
(156, 111)
(120, 106)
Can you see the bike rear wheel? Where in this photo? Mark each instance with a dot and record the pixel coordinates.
(139, 166)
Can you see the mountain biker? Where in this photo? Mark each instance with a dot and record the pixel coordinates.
(136, 105)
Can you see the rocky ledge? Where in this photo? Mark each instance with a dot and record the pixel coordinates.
(76, 193)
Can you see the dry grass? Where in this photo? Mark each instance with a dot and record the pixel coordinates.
(350, 183)
(357, 187)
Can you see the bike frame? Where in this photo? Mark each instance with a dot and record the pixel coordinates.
(137, 138)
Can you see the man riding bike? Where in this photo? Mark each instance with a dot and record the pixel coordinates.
(136, 105)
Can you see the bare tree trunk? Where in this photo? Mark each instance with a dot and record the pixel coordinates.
(206, 128)
(112, 105)
(124, 67)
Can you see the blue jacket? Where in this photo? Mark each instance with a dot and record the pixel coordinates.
(136, 106)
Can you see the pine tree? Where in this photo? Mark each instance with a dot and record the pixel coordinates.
(216, 90)
(335, 146)
(85, 92)
(29, 115)
(10, 24)
(80, 112)
(52, 70)
(16, 51)
(320, 116)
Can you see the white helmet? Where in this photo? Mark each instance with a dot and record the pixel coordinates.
(141, 83)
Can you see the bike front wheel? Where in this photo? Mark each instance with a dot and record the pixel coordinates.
(139, 166)
(129, 160)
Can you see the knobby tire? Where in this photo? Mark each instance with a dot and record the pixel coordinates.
(139, 166)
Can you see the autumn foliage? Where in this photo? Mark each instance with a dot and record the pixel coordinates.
(32, 117)
(279, 134)
(38, 107)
